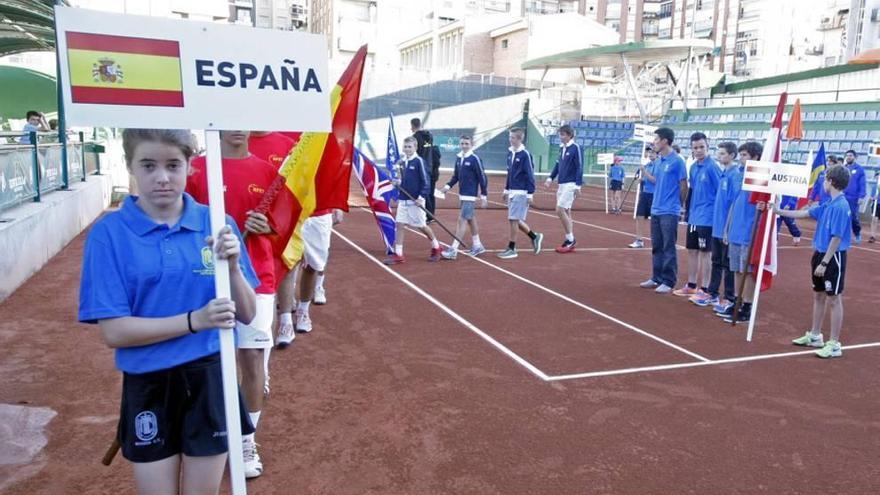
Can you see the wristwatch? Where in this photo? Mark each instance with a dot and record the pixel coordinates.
(824, 263)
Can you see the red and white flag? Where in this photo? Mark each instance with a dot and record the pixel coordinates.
(772, 153)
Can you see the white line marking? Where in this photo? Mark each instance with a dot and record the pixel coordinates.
(470, 326)
(852, 244)
(579, 304)
(742, 359)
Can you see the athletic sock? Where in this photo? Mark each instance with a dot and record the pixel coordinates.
(398, 249)
(319, 282)
(532, 235)
(248, 438)
(511, 245)
(569, 237)
(455, 244)
(475, 240)
(255, 418)
(435, 244)
(286, 318)
(303, 307)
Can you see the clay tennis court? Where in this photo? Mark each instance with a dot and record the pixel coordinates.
(544, 374)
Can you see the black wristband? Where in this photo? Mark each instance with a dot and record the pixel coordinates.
(189, 321)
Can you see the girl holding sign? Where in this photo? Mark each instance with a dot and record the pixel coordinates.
(148, 282)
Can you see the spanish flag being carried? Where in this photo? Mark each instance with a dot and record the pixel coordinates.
(316, 173)
(123, 70)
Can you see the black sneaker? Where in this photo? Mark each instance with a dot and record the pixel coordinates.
(742, 317)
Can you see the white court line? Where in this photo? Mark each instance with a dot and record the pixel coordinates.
(470, 326)
(851, 246)
(664, 367)
(579, 304)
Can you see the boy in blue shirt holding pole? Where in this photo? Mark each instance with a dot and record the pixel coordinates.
(646, 194)
(831, 241)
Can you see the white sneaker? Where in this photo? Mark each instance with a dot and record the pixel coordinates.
(638, 243)
(649, 284)
(303, 323)
(663, 289)
(320, 297)
(285, 335)
(253, 467)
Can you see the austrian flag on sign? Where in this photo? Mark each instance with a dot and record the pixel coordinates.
(757, 174)
(120, 70)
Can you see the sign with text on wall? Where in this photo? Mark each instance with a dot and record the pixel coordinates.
(777, 178)
(136, 71)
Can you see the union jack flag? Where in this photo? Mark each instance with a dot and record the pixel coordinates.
(392, 154)
(379, 192)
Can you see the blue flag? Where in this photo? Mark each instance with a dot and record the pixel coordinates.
(392, 153)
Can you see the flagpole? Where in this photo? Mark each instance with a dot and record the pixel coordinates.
(217, 210)
(769, 229)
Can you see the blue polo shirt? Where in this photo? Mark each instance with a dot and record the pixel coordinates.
(704, 178)
(834, 220)
(133, 266)
(648, 186)
(742, 217)
(728, 188)
(617, 172)
(856, 189)
(667, 191)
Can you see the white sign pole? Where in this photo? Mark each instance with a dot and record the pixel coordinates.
(227, 341)
(638, 193)
(769, 229)
(606, 188)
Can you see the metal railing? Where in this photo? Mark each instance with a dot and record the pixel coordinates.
(32, 164)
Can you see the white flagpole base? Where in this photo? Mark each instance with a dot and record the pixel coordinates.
(227, 341)
(606, 188)
(769, 229)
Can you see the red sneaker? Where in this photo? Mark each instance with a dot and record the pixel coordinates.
(394, 259)
(566, 247)
(435, 254)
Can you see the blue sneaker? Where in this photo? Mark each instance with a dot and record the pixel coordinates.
(857, 241)
(722, 307)
(477, 250)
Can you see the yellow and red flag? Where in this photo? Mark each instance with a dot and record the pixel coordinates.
(122, 70)
(315, 175)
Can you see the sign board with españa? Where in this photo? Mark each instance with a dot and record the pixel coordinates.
(134, 71)
(777, 178)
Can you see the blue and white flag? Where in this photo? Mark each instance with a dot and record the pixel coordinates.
(392, 153)
(379, 191)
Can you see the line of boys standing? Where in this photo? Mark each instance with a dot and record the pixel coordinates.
(720, 219)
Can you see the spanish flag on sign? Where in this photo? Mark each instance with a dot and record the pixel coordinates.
(121, 70)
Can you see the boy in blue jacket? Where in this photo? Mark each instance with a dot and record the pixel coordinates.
(518, 190)
(412, 180)
(471, 179)
(569, 172)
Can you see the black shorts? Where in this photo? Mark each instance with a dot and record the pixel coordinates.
(644, 208)
(835, 273)
(877, 208)
(175, 410)
(699, 237)
(616, 185)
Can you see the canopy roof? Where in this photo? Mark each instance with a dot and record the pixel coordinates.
(636, 53)
(867, 57)
(26, 26)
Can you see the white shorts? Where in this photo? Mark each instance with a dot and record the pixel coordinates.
(409, 213)
(565, 195)
(258, 335)
(316, 237)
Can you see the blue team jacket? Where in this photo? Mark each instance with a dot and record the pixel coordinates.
(520, 171)
(469, 176)
(414, 178)
(570, 166)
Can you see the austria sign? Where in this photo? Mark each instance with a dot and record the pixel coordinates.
(133, 71)
(777, 178)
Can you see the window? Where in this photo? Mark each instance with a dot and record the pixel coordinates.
(504, 44)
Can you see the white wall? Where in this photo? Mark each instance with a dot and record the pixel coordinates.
(39, 231)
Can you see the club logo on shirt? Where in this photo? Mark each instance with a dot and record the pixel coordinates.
(207, 263)
(255, 189)
(146, 426)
